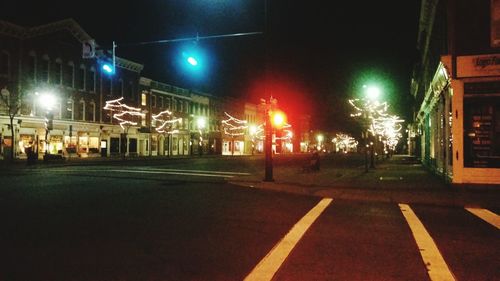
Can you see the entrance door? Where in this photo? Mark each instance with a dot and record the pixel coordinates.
(104, 148)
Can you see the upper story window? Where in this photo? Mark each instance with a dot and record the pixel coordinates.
(69, 74)
(153, 100)
(31, 67)
(130, 91)
(118, 87)
(4, 63)
(168, 104)
(90, 79)
(43, 69)
(57, 72)
(143, 98)
(160, 102)
(80, 77)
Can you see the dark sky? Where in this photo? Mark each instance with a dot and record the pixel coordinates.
(316, 54)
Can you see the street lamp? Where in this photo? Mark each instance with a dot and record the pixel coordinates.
(48, 101)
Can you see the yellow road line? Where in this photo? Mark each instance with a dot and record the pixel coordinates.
(437, 268)
(268, 266)
(486, 215)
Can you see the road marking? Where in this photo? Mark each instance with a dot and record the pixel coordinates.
(171, 173)
(268, 266)
(202, 173)
(486, 215)
(437, 268)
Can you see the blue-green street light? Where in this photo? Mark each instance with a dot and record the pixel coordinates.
(192, 61)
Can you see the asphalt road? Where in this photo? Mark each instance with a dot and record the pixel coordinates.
(157, 222)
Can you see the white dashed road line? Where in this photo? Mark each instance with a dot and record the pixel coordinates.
(268, 266)
(200, 173)
(437, 268)
(486, 215)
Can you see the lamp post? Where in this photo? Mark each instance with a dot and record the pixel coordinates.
(48, 101)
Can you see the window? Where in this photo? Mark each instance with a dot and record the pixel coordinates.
(160, 101)
(81, 110)
(118, 87)
(130, 90)
(70, 112)
(168, 103)
(57, 72)
(4, 63)
(153, 100)
(92, 111)
(69, 74)
(90, 79)
(80, 78)
(143, 98)
(43, 70)
(106, 85)
(31, 67)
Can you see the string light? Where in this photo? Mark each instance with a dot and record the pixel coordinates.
(234, 126)
(167, 121)
(124, 112)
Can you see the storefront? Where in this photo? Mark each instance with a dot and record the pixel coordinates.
(458, 125)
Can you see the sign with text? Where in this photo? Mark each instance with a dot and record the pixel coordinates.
(478, 66)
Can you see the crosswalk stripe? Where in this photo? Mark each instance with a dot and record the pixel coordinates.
(486, 215)
(437, 268)
(268, 266)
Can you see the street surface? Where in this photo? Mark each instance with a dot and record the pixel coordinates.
(186, 219)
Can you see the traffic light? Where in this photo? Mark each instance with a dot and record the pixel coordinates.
(278, 119)
(107, 65)
(49, 121)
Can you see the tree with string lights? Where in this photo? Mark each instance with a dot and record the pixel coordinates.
(233, 127)
(126, 115)
(166, 124)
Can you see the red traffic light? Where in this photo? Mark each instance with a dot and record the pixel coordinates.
(278, 119)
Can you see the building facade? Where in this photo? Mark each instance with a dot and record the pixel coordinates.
(43, 68)
(456, 90)
(70, 106)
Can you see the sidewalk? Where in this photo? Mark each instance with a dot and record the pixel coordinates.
(401, 179)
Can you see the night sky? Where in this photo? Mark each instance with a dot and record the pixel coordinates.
(315, 56)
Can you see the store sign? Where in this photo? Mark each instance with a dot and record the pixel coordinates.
(478, 66)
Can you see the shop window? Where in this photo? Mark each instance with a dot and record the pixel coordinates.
(482, 132)
(94, 145)
(70, 144)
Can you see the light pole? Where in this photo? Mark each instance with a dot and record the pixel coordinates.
(48, 101)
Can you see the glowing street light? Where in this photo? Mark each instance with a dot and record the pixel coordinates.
(372, 92)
